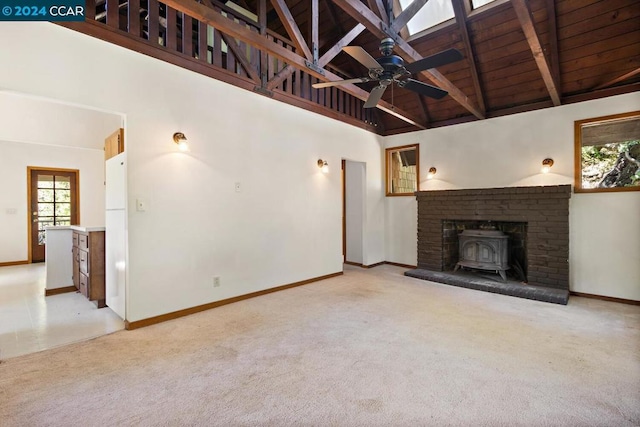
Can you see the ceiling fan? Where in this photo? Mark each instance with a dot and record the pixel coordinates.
(391, 68)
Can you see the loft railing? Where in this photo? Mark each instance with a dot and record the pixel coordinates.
(163, 27)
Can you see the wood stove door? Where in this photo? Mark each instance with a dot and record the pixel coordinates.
(468, 252)
(486, 253)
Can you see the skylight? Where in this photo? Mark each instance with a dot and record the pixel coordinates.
(431, 14)
(478, 3)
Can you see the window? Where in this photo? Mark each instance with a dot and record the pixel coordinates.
(479, 3)
(607, 153)
(430, 15)
(403, 170)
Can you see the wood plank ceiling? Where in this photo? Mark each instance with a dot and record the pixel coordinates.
(519, 55)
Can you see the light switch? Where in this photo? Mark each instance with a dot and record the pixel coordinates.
(238, 187)
(141, 205)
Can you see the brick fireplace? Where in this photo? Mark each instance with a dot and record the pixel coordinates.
(535, 218)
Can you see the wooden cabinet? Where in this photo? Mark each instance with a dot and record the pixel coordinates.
(114, 144)
(88, 265)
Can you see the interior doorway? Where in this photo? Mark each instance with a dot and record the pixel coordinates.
(53, 200)
(353, 212)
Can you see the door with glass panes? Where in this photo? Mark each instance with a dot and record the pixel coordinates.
(53, 201)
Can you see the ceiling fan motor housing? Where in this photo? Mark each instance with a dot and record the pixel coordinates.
(393, 67)
(387, 45)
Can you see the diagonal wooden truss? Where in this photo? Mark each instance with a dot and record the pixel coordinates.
(242, 33)
(549, 76)
(374, 17)
(377, 24)
(361, 13)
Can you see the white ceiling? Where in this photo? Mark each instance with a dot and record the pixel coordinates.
(36, 120)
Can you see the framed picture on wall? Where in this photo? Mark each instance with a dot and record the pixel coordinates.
(607, 153)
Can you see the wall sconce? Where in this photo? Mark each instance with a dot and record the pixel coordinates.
(323, 165)
(546, 165)
(431, 173)
(181, 140)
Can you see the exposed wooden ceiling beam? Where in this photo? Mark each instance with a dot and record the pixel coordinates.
(337, 48)
(262, 25)
(460, 13)
(324, 60)
(396, 10)
(241, 32)
(292, 28)
(315, 13)
(554, 55)
(618, 79)
(280, 76)
(242, 58)
(409, 12)
(523, 12)
(378, 8)
(361, 13)
(339, 28)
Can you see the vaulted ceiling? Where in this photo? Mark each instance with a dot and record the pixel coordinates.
(519, 55)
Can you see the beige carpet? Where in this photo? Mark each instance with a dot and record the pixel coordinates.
(368, 348)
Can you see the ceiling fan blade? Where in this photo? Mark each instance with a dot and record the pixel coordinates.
(442, 58)
(424, 89)
(361, 55)
(374, 96)
(340, 82)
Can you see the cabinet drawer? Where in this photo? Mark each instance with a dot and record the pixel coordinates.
(84, 262)
(83, 241)
(75, 240)
(84, 285)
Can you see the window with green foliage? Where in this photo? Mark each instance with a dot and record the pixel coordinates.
(607, 151)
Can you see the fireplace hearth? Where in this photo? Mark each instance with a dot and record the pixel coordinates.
(535, 220)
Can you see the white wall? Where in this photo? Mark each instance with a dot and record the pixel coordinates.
(285, 224)
(39, 132)
(36, 120)
(605, 244)
(355, 208)
(14, 159)
(508, 151)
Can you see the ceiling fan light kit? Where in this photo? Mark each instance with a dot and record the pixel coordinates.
(390, 68)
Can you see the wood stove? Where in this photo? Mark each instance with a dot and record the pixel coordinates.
(484, 250)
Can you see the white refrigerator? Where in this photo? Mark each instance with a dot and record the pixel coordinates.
(116, 234)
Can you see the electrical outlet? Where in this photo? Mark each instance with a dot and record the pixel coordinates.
(216, 281)
(238, 187)
(141, 205)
